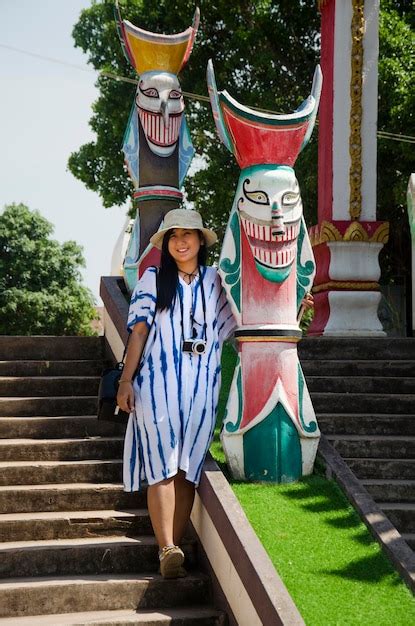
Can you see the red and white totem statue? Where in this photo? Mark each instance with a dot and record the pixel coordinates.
(270, 430)
(347, 240)
(157, 144)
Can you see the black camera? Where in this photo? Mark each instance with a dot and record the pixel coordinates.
(197, 346)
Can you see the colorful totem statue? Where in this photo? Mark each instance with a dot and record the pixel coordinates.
(157, 144)
(270, 430)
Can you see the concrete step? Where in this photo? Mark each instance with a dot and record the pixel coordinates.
(401, 514)
(89, 556)
(41, 386)
(382, 468)
(68, 497)
(363, 403)
(366, 424)
(63, 405)
(184, 616)
(51, 348)
(357, 348)
(388, 490)
(51, 368)
(410, 539)
(71, 524)
(29, 596)
(361, 384)
(61, 449)
(57, 426)
(41, 472)
(336, 367)
(374, 446)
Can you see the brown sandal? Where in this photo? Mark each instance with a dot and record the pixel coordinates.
(171, 561)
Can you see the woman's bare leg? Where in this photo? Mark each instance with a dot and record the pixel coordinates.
(169, 505)
(185, 495)
(161, 506)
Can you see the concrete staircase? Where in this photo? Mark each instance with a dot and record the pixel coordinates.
(363, 391)
(75, 548)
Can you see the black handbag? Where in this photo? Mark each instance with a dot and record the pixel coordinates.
(108, 409)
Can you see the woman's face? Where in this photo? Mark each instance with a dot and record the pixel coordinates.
(184, 245)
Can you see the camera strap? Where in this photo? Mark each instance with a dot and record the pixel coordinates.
(192, 320)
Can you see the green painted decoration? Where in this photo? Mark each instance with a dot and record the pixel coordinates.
(305, 272)
(312, 426)
(272, 274)
(232, 270)
(229, 427)
(272, 449)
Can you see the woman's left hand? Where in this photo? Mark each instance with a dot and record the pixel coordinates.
(308, 301)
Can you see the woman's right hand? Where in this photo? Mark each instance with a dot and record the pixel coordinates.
(125, 396)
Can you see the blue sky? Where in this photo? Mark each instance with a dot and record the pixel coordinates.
(44, 113)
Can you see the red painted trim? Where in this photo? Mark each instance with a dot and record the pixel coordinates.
(321, 314)
(127, 45)
(151, 258)
(176, 195)
(259, 142)
(322, 257)
(325, 132)
(368, 227)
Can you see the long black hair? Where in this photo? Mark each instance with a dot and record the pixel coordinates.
(168, 276)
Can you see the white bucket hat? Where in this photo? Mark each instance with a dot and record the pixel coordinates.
(183, 218)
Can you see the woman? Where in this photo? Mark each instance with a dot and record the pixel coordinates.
(178, 318)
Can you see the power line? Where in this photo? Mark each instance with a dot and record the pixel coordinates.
(42, 57)
(385, 132)
(192, 96)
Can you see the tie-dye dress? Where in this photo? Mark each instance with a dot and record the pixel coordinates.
(176, 393)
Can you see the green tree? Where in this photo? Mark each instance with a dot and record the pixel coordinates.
(40, 282)
(396, 159)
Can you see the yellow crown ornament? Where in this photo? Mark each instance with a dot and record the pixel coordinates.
(149, 52)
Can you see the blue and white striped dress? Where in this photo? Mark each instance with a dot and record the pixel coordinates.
(176, 393)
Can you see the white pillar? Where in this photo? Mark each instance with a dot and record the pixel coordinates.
(348, 238)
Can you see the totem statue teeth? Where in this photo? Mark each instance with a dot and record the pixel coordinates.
(270, 430)
(157, 144)
(159, 134)
(269, 249)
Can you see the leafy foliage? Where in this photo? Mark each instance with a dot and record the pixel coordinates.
(40, 283)
(396, 160)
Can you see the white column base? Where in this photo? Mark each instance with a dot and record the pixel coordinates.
(354, 313)
(233, 447)
(354, 260)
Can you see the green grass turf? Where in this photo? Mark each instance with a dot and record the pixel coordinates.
(335, 572)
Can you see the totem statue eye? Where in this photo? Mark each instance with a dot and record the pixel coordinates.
(259, 197)
(256, 196)
(290, 198)
(175, 95)
(151, 92)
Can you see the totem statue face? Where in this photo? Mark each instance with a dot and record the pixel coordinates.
(270, 208)
(160, 106)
